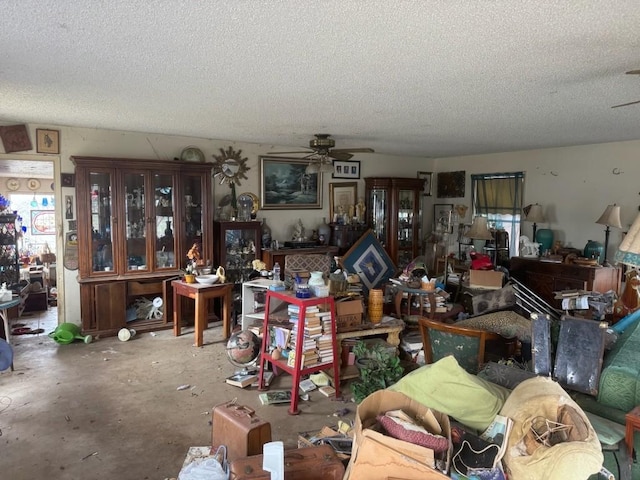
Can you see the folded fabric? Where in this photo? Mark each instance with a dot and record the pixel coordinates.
(399, 425)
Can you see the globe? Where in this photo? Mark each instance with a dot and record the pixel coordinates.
(243, 348)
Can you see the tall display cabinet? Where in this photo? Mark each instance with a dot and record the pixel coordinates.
(237, 245)
(9, 262)
(136, 221)
(394, 213)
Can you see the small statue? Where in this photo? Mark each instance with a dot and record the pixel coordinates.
(360, 209)
(298, 231)
(194, 253)
(529, 248)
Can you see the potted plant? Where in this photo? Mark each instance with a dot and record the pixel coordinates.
(379, 369)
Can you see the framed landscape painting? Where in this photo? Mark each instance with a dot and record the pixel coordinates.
(285, 184)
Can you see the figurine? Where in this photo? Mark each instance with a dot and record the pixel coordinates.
(360, 209)
(298, 231)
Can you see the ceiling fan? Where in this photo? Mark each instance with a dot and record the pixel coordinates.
(631, 72)
(322, 153)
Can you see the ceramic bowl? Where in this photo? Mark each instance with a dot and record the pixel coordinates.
(207, 279)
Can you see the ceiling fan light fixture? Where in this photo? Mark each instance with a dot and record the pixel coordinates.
(326, 167)
(312, 168)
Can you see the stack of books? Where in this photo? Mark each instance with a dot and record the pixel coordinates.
(441, 303)
(317, 336)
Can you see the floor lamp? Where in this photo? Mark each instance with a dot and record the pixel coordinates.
(610, 218)
(536, 216)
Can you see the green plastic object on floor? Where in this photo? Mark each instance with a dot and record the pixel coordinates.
(66, 333)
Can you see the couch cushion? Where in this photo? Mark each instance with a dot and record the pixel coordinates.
(445, 386)
(620, 379)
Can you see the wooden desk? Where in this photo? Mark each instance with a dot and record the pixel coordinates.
(201, 293)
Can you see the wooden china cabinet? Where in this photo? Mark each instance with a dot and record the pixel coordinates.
(394, 213)
(136, 221)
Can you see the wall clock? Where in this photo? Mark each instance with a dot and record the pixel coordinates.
(13, 184)
(33, 184)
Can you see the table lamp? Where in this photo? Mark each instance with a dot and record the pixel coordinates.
(536, 216)
(479, 233)
(610, 218)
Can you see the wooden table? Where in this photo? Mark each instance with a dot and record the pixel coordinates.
(201, 293)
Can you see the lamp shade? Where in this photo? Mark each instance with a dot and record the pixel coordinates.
(629, 250)
(611, 216)
(535, 214)
(479, 229)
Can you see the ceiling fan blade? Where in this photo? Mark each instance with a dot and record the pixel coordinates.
(278, 153)
(353, 150)
(626, 104)
(340, 155)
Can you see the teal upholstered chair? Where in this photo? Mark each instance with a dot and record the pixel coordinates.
(467, 345)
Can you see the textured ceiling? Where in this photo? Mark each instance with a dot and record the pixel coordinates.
(428, 78)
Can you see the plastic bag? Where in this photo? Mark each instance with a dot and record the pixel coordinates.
(209, 468)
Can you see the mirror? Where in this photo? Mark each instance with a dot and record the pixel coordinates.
(230, 167)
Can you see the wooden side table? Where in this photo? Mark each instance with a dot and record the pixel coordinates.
(632, 423)
(201, 293)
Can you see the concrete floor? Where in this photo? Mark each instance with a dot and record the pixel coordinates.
(111, 409)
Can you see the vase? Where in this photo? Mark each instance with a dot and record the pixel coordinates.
(376, 301)
(324, 232)
(189, 278)
(266, 234)
(544, 236)
(594, 249)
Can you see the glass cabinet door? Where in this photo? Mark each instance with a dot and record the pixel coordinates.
(237, 246)
(101, 222)
(164, 220)
(135, 222)
(378, 211)
(406, 221)
(192, 214)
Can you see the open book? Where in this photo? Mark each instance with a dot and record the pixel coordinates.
(498, 433)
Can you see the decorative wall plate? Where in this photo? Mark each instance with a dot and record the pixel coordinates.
(13, 184)
(33, 184)
(254, 198)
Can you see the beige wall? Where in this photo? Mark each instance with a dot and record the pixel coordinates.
(574, 184)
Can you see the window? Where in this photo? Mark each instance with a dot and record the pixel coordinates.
(499, 197)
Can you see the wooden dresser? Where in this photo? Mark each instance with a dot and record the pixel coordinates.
(544, 278)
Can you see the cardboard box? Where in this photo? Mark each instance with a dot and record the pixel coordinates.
(348, 314)
(488, 279)
(376, 455)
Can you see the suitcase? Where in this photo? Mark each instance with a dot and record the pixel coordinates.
(239, 429)
(311, 463)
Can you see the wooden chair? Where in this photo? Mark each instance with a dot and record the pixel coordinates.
(467, 345)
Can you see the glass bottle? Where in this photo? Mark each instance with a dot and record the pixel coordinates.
(266, 234)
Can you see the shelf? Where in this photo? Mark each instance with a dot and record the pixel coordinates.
(298, 370)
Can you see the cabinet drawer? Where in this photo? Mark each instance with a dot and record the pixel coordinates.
(564, 283)
(144, 288)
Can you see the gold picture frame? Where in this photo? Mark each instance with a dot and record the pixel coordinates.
(342, 193)
(47, 141)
